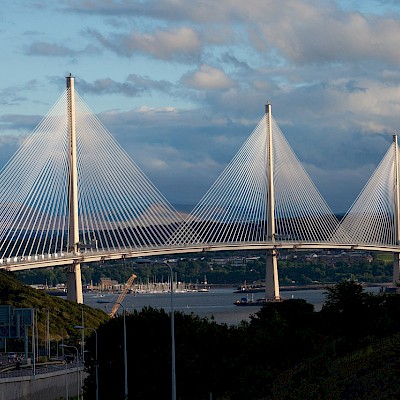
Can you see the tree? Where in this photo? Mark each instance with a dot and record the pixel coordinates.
(205, 352)
(347, 314)
(345, 297)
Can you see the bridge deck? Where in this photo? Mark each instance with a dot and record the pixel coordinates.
(51, 260)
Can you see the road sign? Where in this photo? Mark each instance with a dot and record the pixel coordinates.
(5, 315)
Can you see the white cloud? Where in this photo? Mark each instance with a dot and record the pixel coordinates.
(192, 78)
(321, 36)
(304, 31)
(207, 78)
(180, 44)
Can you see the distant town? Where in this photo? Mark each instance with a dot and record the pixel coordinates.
(222, 269)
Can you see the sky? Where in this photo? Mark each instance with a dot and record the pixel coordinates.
(181, 84)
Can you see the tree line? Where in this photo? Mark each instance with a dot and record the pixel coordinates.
(300, 271)
(286, 351)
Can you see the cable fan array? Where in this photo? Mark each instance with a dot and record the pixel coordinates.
(33, 199)
(235, 207)
(118, 206)
(301, 213)
(120, 209)
(370, 220)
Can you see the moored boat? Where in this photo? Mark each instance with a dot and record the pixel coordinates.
(244, 301)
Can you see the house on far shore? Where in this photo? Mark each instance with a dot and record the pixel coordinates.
(108, 284)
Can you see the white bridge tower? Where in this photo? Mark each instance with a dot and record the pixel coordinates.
(271, 268)
(396, 256)
(74, 278)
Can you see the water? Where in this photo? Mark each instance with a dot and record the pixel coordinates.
(216, 304)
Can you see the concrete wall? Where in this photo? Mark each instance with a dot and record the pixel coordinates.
(48, 386)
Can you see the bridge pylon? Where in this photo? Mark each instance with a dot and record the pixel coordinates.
(74, 283)
(396, 256)
(271, 267)
(74, 279)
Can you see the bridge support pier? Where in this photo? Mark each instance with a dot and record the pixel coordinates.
(74, 284)
(396, 268)
(271, 276)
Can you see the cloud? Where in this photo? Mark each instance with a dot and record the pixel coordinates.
(303, 31)
(184, 151)
(178, 44)
(319, 35)
(330, 70)
(171, 10)
(18, 122)
(133, 86)
(9, 144)
(344, 180)
(206, 78)
(231, 59)
(12, 95)
(181, 151)
(150, 84)
(56, 50)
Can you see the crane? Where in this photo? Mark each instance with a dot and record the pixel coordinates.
(122, 295)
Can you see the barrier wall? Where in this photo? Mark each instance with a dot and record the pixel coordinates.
(48, 386)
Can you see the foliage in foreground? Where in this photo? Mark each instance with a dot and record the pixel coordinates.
(286, 351)
(368, 374)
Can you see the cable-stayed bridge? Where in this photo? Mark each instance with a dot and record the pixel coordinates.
(71, 194)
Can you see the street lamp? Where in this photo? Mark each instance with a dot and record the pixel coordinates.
(173, 378)
(77, 364)
(125, 352)
(125, 356)
(96, 356)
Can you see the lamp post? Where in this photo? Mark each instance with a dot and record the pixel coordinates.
(125, 352)
(77, 364)
(96, 357)
(173, 378)
(66, 381)
(125, 356)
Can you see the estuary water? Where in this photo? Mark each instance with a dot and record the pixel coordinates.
(216, 303)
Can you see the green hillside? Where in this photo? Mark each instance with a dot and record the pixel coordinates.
(63, 315)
